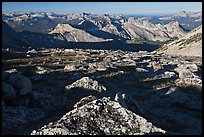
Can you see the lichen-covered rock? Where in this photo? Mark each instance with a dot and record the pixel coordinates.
(84, 101)
(99, 117)
(87, 83)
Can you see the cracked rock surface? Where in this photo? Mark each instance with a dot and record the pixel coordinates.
(100, 116)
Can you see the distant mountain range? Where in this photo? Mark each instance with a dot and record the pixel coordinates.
(45, 22)
(41, 29)
(188, 20)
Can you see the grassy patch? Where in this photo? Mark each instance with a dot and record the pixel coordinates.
(151, 79)
(161, 85)
(110, 74)
(180, 41)
(194, 38)
(13, 60)
(184, 42)
(137, 41)
(182, 84)
(141, 41)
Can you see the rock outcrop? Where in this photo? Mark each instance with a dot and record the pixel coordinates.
(87, 83)
(100, 117)
(188, 74)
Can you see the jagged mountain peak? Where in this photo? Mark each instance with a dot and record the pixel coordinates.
(174, 23)
(61, 28)
(74, 34)
(101, 26)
